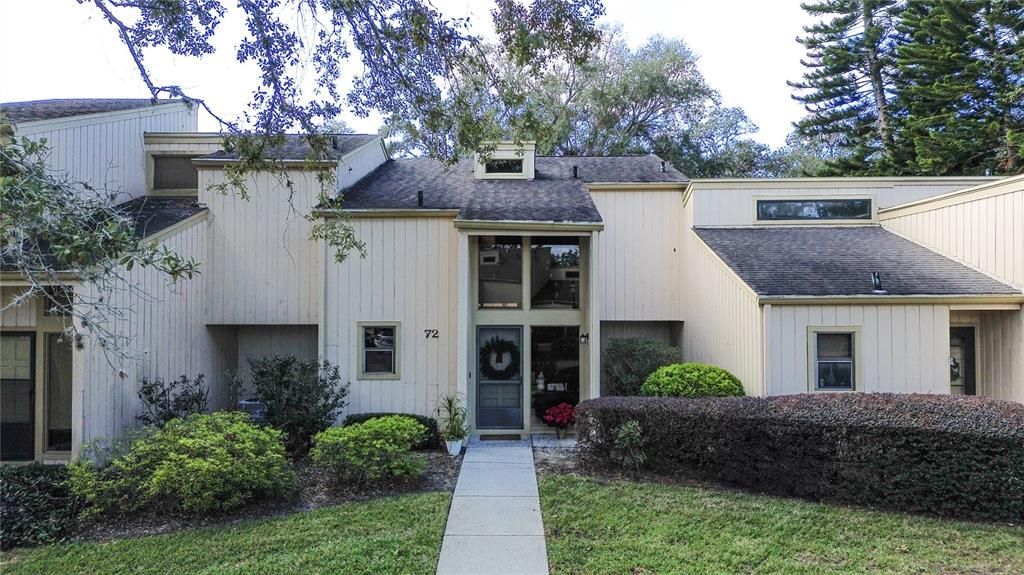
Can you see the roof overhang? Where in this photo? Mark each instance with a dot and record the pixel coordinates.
(291, 164)
(636, 186)
(1011, 301)
(387, 213)
(529, 225)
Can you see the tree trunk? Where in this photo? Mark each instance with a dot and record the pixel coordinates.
(874, 70)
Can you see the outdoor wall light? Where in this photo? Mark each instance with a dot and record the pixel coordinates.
(584, 338)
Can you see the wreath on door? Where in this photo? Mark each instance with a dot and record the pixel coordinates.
(492, 355)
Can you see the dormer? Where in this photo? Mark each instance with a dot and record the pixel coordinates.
(507, 161)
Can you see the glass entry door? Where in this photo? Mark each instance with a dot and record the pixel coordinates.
(499, 388)
(17, 396)
(961, 361)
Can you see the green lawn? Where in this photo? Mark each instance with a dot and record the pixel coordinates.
(641, 528)
(399, 534)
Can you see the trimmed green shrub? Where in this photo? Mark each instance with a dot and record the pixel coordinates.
(378, 448)
(958, 456)
(302, 397)
(203, 464)
(627, 361)
(431, 437)
(36, 506)
(163, 401)
(692, 380)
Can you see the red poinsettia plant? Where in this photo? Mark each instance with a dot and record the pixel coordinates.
(561, 416)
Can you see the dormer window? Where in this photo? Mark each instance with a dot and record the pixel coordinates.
(503, 167)
(506, 161)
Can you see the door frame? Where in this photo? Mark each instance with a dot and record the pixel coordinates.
(526, 317)
(975, 337)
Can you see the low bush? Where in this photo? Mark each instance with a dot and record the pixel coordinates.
(203, 464)
(946, 455)
(627, 361)
(379, 448)
(36, 505)
(301, 397)
(692, 380)
(163, 401)
(431, 437)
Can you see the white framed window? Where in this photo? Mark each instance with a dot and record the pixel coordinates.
(833, 359)
(378, 350)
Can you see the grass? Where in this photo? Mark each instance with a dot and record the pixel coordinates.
(643, 528)
(400, 534)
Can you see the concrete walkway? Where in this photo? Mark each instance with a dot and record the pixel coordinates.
(494, 525)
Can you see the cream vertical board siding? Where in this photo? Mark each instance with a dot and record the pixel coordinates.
(723, 326)
(165, 322)
(982, 227)
(409, 277)
(16, 315)
(732, 202)
(899, 348)
(263, 267)
(360, 162)
(641, 255)
(107, 150)
(999, 362)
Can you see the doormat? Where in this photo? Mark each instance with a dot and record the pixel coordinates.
(506, 437)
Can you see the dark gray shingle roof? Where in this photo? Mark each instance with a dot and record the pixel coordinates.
(827, 261)
(553, 194)
(155, 213)
(296, 147)
(36, 110)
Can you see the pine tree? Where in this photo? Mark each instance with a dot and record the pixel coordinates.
(848, 87)
(961, 82)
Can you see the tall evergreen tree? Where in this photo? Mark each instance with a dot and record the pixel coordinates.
(848, 88)
(961, 82)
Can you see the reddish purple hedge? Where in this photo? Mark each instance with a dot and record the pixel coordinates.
(946, 455)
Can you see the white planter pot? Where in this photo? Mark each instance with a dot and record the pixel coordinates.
(454, 447)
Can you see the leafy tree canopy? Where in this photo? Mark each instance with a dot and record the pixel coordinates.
(915, 87)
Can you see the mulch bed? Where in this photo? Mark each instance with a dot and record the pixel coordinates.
(314, 489)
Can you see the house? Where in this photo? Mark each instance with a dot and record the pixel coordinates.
(503, 277)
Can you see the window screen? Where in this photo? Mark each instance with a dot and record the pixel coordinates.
(504, 167)
(834, 358)
(174, 173)
(855, 209)
(379, 350)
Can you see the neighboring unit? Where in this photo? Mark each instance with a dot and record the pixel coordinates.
(503, 277)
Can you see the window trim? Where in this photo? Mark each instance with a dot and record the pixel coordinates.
(871, 197)
(361, 357)
(151, 174)
(812, 357)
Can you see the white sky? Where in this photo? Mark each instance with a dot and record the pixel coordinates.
(63, 49)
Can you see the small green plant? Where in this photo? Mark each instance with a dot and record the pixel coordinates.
(453, 413)
(302, 397)
(163, 401)
(692, 380)
(380, 448)
(627, 445)
(36, 506)
(430, 438)
(199, 465)
(627, 362)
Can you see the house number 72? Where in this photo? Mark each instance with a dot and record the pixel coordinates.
(431, 333)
